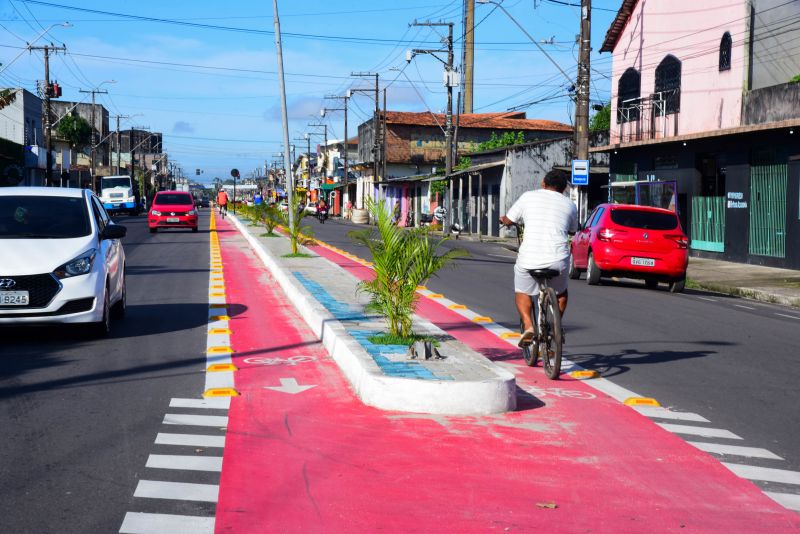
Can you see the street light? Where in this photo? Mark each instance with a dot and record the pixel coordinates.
(62, 24)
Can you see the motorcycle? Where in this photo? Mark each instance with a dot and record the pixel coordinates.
(322, 214)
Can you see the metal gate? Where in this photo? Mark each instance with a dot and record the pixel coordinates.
(768, 210)
(708, 223)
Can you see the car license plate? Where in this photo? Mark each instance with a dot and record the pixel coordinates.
(14, 298)
(645, 262)
(173, 219)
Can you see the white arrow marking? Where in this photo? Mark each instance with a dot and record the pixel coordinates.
(290, 385)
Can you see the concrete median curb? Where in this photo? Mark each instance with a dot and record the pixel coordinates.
(370, 383)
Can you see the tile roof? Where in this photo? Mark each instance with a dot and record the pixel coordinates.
(613, 33)
(496, 121)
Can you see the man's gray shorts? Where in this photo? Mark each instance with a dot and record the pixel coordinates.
(525, 283)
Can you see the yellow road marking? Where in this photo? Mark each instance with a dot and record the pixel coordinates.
(221, 392)
(457, 307)
(585, 374)
(217, 331)
(482, 319)
(219, 350)
(641, 401)
(220, 367)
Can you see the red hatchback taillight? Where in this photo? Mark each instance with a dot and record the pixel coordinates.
(681, 240)
(606, 234)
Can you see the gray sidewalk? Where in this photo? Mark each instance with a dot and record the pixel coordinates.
(768, 284)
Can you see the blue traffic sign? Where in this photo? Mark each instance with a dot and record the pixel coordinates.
(580, 172)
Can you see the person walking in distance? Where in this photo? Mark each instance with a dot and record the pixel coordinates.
(550, 218)
(222, 202)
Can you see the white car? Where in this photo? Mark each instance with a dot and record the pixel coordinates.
(61, 260)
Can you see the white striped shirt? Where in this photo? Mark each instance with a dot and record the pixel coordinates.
(549, 218)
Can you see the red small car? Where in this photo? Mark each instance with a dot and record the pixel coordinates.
(633, 242)
(172, 209)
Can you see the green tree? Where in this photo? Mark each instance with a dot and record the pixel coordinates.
(74, 130)
(7, 96)
(402, 259)
(601, 120)
(507, 139)
(795, 79)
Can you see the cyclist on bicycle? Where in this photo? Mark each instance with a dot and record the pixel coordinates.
(549, 217)
(222, 202)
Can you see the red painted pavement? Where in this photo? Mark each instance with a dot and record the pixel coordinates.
(320, 461)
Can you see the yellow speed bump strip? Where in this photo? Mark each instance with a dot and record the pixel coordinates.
(435, 296)
(641, 401)
(482, 319)
(216, 331)
(219, 318)
(510, 335)
(585, 374)
(217, 305)
(221, 392)
(217, 294)
(457, 307)
(219, 367)
(422, 288)
(219, 350)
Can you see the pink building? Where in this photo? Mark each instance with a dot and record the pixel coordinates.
(705, 119)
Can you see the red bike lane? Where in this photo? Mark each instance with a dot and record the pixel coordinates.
(317, 459)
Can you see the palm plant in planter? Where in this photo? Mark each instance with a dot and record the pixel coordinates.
(402, 259)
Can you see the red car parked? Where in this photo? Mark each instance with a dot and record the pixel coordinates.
(172, 209)
(632, 242)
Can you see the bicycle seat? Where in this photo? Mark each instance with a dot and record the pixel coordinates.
(544, 273)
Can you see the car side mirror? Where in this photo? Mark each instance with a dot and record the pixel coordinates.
(114, 231)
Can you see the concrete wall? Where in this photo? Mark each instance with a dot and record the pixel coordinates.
(21, 121)
(691, 31)
(776, 32)
(774, 103)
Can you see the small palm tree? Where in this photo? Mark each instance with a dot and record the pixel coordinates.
(297, 233)
(402, 259)
(270, 216)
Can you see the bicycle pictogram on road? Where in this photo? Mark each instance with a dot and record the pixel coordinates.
(292, 360)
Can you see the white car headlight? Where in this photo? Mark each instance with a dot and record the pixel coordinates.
(191, 212)
(155, 212)
(78, 266)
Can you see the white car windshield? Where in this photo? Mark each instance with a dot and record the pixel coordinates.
(40, 217)
(108, 183)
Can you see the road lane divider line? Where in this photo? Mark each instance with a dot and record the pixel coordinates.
(184, 463)
(764, 474)
(208, 404)
(139, 522)
(666, 413)
(182, 491)
(735, 450)
(190, 440)
(183, 419)
(787, 500)
(701, 431)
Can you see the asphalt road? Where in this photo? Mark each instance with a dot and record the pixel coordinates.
(79, 416)
(733, 361)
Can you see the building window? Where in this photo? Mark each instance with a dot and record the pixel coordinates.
(668, 85)
(628, 92)
(725, 52)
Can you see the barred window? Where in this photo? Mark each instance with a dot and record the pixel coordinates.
(725, 52)
(628, 93)
(668, 85)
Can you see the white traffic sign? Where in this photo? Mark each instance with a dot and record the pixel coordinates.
(580, 172)
(290, 385)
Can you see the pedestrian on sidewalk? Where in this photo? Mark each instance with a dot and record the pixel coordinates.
(348, 210)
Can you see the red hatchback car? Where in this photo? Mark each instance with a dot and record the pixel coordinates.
(172, 209)
(632, 242)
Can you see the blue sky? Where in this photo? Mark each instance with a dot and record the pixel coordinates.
(204, 73)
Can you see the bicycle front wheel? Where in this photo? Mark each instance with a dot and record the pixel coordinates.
(550, 346)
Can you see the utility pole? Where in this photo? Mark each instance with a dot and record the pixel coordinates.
(119, 160)
(582, 98)
(93, 147)
(385, 158)
(469, 53)
(451, 80)
(376, 147)
(284, 117)
(48, 93)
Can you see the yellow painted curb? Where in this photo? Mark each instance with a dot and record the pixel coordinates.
(217, 331)
(422, 288)
(219, 318)
(641, 401)
(482, 319)
(220, 367)
(584, 374)
(219, 350)
(510, 335)
(435, 296)
(221, 392)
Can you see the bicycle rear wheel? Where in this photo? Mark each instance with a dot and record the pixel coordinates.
(550, 346)
(531, 352)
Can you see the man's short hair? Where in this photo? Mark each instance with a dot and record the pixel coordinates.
(556, 179)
